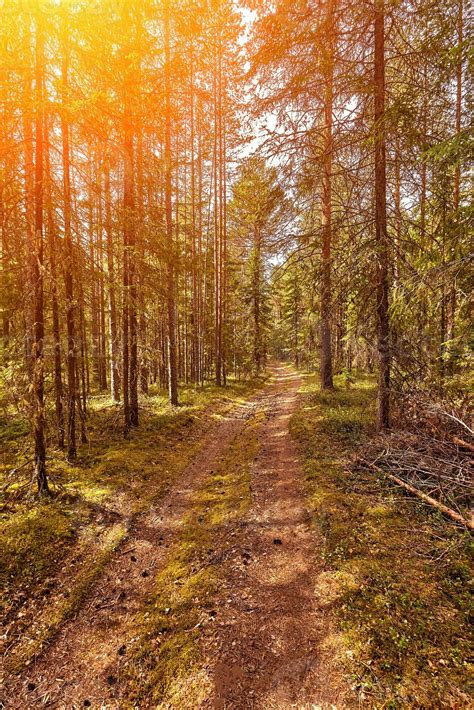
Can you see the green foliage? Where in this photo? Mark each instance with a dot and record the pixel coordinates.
(256, 211)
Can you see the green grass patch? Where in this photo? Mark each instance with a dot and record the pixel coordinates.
(398, 574)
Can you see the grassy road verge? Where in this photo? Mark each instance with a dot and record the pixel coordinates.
(396, 577)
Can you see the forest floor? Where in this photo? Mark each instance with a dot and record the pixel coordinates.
(260, 572)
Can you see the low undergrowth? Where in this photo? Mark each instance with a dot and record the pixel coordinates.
(396, 573)
(42, 541)
(162, 669)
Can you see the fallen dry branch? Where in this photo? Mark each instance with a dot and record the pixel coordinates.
(463, 444)
(454, 515)
(429, 453)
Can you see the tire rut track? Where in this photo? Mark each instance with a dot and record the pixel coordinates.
(268, 648)
(81, 666)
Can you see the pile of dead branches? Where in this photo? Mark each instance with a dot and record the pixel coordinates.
(430, 451)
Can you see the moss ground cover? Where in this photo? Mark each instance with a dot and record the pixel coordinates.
(396, 574)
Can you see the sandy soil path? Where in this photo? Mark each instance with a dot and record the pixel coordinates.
(268, 649)
(81, 667)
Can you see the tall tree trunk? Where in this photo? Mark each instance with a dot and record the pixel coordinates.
(217, 222)
(141, 298)
(381, 236)
(170, 297)
(5, 246)
(452, 296)
(223, 216)
(101, 297)
(29, 175)
(82, 377)
(38, 272)
(129, 313)
(194, 266)
(326, 349)
(444, 290)
(5, 251)
(132, 273)
(397, 216)
(422, 240)
(127, 229)
(185, 289)
(256, 283)
(200, 291)
(68, 250)
(93, 273)
(52, 249)
(111, 273)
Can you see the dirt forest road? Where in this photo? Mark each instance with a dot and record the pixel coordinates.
(268, 650)
(271, 649)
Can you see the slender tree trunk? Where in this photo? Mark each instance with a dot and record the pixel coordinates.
(133, 322)
(200, 292)
(398, 216)
(223, 217)
(5, 250)
(170, 299)
(113, 322)
(217, 225)
(222, 265)
(423, 167)
(82, 370)
(296, 324)
(256, 283)
(93, 274)
(5, 169)
(443, 309)
(144, 368)
(185, 289)
(52, 248)
(38, 272)
(127, 228)
(194, 266)
(326, 296)
(129, 312)
(68, 251)
(29, 175)
(381, 236)
(101, 298)
(82, 381)
(452, 296)
(422, 240)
